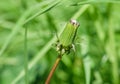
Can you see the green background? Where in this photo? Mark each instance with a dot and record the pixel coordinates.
(28, 33)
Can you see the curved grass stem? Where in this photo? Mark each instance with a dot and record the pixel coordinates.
(26, 57)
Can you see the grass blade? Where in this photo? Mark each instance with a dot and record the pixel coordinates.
(95, 2)
(26, 58)
(23, 21)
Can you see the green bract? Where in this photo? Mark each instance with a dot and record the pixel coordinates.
(67, 37)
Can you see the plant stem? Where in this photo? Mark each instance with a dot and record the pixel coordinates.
(26, 57)
(53, 69)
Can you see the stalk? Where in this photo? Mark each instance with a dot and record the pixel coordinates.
(53, 69)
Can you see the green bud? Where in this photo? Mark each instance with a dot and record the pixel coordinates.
(68, 35)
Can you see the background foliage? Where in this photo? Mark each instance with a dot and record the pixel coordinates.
(97, 56)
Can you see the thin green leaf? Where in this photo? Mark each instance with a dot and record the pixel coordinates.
(95, 2)
(23, 21)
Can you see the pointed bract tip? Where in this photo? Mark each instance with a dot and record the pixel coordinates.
(74, 22)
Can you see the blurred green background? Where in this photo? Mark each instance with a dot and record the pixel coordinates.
(97, 56)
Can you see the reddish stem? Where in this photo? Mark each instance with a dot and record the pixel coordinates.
(53, 69)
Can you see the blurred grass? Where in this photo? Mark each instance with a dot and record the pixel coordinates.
(97, 56)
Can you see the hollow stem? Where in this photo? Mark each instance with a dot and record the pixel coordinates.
(53, 69)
